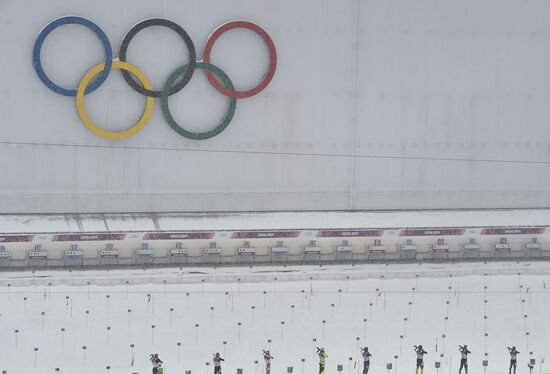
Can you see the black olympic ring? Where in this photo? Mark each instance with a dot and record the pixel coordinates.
(181, 32)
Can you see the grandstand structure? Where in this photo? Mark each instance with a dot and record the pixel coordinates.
(111, 240)
(427, 110)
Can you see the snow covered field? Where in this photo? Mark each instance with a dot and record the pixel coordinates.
(136, 222)
(387, 308)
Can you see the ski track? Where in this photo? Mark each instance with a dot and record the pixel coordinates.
(65, 306)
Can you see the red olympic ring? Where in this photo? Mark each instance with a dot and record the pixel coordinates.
(272, 58)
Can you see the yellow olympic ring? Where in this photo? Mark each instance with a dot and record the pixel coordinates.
(149, 104)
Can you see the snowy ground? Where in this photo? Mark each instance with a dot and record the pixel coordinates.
(50, 223)
(288, 311)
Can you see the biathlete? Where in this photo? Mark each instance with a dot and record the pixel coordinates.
(322, 359)
(267, 359)
(217, 363)
(420, 352)
(513, 359)
(464, 352)
(366, 359)
(157, 363)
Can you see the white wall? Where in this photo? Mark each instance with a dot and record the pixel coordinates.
(423, 79)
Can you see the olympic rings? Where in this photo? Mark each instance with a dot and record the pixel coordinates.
(272, 58)
(82, 110)
(166, 110)
(100, 72)
(71, 20)
(181, 32)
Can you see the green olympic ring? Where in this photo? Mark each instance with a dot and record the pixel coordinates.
(166, 110)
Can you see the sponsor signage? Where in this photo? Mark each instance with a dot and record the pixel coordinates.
(16, 238)
(265, 234)
(431, 232)
(349, 233)
(88, 237)
(513, 231)
(177, 235)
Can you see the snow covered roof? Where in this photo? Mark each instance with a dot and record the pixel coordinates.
(270, 221)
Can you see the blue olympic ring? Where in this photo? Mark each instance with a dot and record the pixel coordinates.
(71, 20)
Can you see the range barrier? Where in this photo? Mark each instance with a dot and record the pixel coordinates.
(215, 248)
